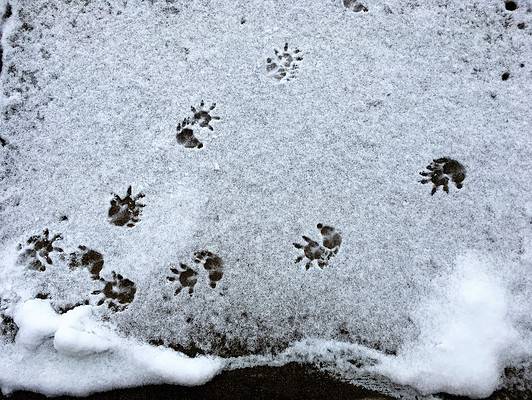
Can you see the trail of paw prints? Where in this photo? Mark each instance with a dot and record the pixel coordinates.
(355, 5)
(187, 277)
(285, 65)
(202, 117)
(441, 171)
(127, 210)
(318, 254)
(37, 252)
(117, 293)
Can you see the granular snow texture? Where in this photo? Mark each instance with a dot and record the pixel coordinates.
(161, 162)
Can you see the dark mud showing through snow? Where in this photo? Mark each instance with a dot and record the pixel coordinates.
(292, 381)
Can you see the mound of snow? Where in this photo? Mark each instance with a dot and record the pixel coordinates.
(466, 336)
(73, 364)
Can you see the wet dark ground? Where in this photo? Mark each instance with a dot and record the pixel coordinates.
(292, 381)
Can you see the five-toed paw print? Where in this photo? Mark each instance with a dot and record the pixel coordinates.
(185, 135)
(117, 293)
(285, 64)
(87, 258)
(125, 211)
(187, 278)
(212, 263)
(202, 116)
(321, 253)
(355, 5)
(440, 171)
(36, 252)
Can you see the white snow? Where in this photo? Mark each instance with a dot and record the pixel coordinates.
(79, 335)
(74, 364)
(466, 335)
(37, 321)
(92, 93)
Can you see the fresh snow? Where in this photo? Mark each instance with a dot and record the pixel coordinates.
(417, 294)
(466, 335)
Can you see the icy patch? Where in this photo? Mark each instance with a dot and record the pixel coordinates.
(74, 364)
(466, 336)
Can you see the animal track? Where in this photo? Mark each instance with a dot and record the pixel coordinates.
(285, 66)
(355, 5)
(212, 263)
(87, 258)
(202, 116)
(127, 210)
(117, 293)
(187, 278)
(440, 171)
(8, 328)
(185, 135)
(37, 250)
(321, 253)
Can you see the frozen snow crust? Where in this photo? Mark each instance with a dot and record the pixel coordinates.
(132, 224)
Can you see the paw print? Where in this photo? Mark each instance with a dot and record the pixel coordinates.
(440, 171)
(212, 263)
(355, 5)
(187, 278)
(37, 250)
(321, 253)
(185, 135)
(203, 116)
(117, 293)
(87, 258)
(125, 211)
(285, 64)
(8, 328)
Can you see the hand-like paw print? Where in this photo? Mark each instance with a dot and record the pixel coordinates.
(125, 211)
(321, 253)
(203, 116)
(355, 5)
(87, 258)
(187, 278)
(286, 64)
(440, 171)
(185, 135)
(212, 263)
(37, 250)
(117, 293)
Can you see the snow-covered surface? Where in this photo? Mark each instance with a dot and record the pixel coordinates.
(56, 354)
(466, 336)
(335, 133)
